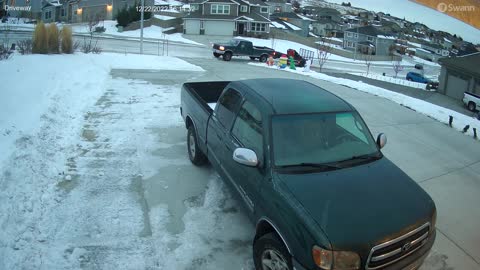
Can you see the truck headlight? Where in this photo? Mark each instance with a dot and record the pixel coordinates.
(221, 48)
(331, 260)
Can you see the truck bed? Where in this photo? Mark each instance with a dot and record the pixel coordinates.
(206, 93)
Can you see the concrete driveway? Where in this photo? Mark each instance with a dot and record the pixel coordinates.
(443, 161)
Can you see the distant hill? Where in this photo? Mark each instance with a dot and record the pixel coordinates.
(467, 11)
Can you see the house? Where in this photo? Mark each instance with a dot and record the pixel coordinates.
(427, 54)
(320, 13)
(227, 18)
(459, 74)
(327, 28)
(368, 40)
(435, 48)
(278, 6)
(299, 24)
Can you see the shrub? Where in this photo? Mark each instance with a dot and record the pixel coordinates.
(67, 42)
(40, 39)
(134, 13)
(25, 46)
(4, 53)
(123, 18)
(53, 38)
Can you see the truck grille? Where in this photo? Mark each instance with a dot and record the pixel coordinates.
(398, 248)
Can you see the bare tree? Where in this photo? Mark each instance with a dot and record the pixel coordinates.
(324, 52)
(89, 46)
(368, 61)
(397, 66)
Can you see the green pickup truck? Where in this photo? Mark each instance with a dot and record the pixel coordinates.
(310, 174)
(240, 47)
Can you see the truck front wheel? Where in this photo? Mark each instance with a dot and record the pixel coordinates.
(194, 153)
(227, 56)
(471, 106)
(270, 253)
(263, 58)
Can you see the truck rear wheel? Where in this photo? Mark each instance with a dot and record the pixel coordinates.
(471, 106)
(227, 56)
(197, 157)
(270, 253)
(263, 58)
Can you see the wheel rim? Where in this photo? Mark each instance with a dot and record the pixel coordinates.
(191, 144)
(273, 260)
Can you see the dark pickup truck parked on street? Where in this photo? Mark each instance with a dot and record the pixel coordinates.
(240, 47)
(310, 174)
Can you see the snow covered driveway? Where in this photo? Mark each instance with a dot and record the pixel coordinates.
(112, 187)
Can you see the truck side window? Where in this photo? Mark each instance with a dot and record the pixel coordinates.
(248, 129)
(228, 106)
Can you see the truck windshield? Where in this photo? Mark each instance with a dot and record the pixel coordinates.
(234, 42)
(321, 139)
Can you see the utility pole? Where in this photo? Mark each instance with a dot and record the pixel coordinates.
(141, 27)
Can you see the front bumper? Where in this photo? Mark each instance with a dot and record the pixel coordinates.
(218, 51)
(412, 262)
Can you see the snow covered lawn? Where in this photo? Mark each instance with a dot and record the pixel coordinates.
(434, 111)
(93, 167)
(153, 31)
(398, 80)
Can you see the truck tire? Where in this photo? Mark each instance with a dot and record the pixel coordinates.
(227, 56)
(197, 157)
(216, 55)
(263, 58)
(270, 250)
(471, 106)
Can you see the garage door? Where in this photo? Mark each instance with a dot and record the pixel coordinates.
(456, 87)
(192, 27)
(219, 28)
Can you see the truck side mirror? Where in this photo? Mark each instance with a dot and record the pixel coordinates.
(245, 157)
(381, 140)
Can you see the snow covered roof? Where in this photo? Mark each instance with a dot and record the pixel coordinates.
(278, 25)
(293, 27)
(305, 18)
(386, 37)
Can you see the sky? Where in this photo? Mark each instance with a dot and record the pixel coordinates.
(414, 12)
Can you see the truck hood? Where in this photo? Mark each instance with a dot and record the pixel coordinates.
(361, 206)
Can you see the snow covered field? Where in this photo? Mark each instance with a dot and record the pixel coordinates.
(436, 112)
(78, 147)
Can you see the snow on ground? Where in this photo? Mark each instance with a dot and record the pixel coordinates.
(425, 62)
(434, 111)
(390, 79)
(73, 193)
(153, 31)
(29, 90)
(163, 17)
(414, 12)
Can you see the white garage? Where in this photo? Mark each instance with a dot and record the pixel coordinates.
(456, 86)
(192, 27)
(219, 28)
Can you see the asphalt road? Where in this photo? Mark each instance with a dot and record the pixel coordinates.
(443, 161)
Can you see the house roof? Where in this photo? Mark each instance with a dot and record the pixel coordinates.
(253, 2)
(253, 16)
(198, 15)
(367, 30)
(290, 15)
(467, 63)
(432, 45)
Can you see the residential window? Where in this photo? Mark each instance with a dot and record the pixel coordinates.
(63, 12)
(355, 35)
(264, 9)
(349, 34)
(48, 15)
(220, 9)
(258, 27)
(243, 8)
(369, 38)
